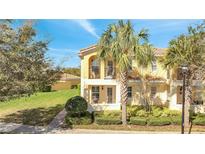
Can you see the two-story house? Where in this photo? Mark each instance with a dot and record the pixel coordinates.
(101, 88)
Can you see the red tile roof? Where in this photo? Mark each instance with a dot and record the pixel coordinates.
(158, 51)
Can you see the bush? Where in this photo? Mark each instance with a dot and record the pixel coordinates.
(108, 114)
(108, 121)
(76, 104)
(142, 113)
(107, 117)
(199, 121)
(161, 121)
(157, 112)
(172, 113)
(84, 119)
(176, 120)
(200, 115)
(132, 110)
(46, 89)
(138, 121)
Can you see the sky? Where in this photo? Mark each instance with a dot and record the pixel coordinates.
(67, 37)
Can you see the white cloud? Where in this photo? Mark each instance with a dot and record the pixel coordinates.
(86, 25)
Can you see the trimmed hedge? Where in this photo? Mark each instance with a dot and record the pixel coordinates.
(76, 104)
(108, 114)
(108, 121)
(160, 121)
(138, 121)
(176, 120)
(83, 119)
(199, 121)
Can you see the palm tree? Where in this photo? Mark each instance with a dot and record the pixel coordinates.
(188, 49)
(121, 43)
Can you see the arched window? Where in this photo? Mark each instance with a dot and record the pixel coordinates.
(94, 72)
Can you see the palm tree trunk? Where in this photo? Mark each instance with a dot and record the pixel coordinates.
(124, 97)
(188, 100)
(145, 94)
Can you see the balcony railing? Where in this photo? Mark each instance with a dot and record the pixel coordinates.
(94, 72)
(110, 73)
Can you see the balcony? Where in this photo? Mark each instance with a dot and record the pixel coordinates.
(110, 73)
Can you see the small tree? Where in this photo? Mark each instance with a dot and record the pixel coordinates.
(23, 66)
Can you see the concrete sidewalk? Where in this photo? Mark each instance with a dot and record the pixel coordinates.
(13, 128)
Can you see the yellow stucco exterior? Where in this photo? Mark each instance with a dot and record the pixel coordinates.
(100, 84)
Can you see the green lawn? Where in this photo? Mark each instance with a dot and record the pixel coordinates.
(38, 109)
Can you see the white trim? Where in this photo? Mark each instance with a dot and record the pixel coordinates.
(101, 107)
(151, 81)
(99, 82)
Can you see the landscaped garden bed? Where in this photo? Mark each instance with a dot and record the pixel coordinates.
(157, 118)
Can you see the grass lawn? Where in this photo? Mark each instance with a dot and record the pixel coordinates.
(38, 109)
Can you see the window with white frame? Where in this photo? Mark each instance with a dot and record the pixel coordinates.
(154, 65)
(129, 92)
(95, 94)
(153, 92)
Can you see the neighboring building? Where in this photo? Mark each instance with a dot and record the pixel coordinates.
(100, 85)
(67, 81)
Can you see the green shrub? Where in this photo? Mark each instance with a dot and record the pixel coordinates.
(108, 114)
(107, 121)
(201, 115)
(138, 121)
(160, 121)
(176, 120)
(76, 104)
(172, 113)
(142, 113)
(133, 109)
(199, 121)
(84, 119)
(157, 112)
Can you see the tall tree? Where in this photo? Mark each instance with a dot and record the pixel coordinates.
(188, 49)
(121, 43)
(23, 66)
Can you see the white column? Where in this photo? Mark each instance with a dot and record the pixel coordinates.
(82, 87)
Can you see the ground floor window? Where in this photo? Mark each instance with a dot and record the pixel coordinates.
(129, 92)
(109, 95)
(197, 95)
(95, 94)
(153, 91)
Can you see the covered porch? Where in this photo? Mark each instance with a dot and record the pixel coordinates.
(102, 96)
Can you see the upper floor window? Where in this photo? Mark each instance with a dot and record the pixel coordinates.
(129, 92)
(179, 74)
(109, 70)
(154, 65)
(94, 70)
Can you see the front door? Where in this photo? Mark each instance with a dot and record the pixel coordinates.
(109, 95)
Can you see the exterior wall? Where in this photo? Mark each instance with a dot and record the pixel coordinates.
(65, 85)
(160, 72)
(166, 90)
(160, 97)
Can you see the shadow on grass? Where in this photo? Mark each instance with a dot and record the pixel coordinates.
(34, 117)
